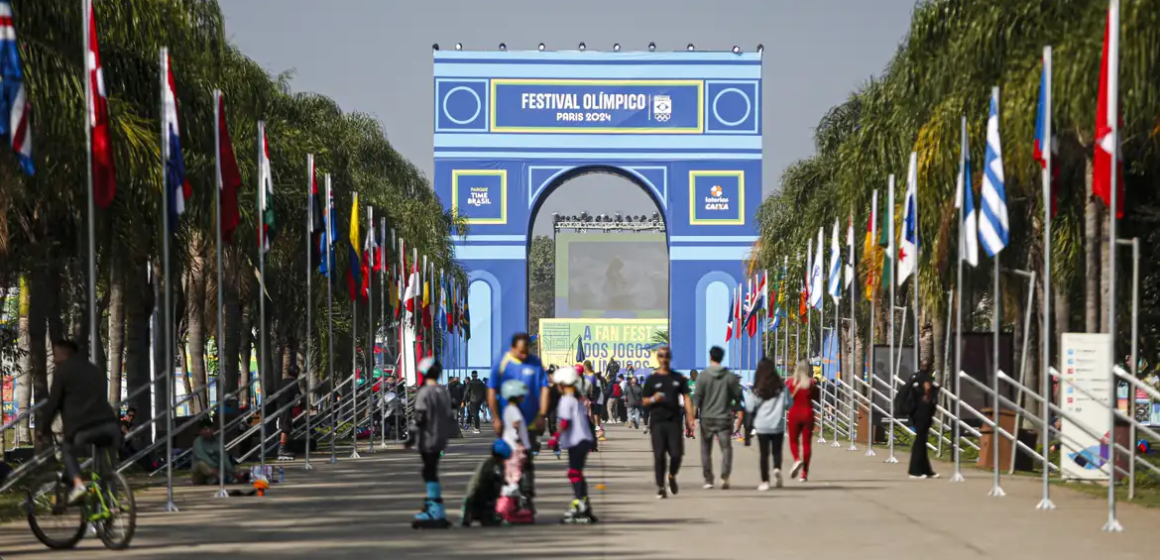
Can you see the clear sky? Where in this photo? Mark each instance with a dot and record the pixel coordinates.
(374, 56)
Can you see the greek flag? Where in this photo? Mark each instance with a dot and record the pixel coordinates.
(993, 222)
(835, 279)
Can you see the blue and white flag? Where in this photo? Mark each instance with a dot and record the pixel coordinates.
(993, 223)
(15, 109)
(835, 279)
(965, 196)
(816, 286)
(908, 247)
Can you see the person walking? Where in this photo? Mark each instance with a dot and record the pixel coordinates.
(803, 390)
(766, 408)
(662, 394)
(458, 392)
(633, 393)
(924, 397)
(716, 392)
(476, 395)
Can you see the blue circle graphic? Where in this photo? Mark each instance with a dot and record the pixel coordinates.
(717, 99)
(478, 105)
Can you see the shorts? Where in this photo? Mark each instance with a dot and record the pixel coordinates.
(598, 410)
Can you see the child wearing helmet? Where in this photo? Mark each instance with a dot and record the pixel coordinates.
(574, 435)
(434, 422)
(512, 505)
(484, 489)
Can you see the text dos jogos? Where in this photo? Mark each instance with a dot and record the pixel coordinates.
(633, 354)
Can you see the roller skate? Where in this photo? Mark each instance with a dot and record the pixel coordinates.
(579, 513)
(432, 516)
(600, 433)
(284, 454)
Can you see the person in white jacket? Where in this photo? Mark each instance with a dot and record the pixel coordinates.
(766, 407)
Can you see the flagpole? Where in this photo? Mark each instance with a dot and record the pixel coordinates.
(329, 233)
(94, 334)
(868, 362)
(354, 350)
(851, 386)
(168, 315)
(370, 362)
(914, 282)
(1113, 120)
(891, 257)
(309, 305)
(384, 292)
(217, 199)
(958, 299)
(262, 299)
(1045, 333)
(785, 348)
(822, 346)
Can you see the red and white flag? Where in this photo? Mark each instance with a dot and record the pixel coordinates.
(229, 178)
(1108, 117)
(414, 290)
(101, 146)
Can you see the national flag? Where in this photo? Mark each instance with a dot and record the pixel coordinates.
(747, 306)
(908, 246)
(886, 242)
(739, 311)
(453, 312)
(817, 288)
(756, 304)
(993, 223)
(400, 285)
(228, 176)
(329, 233)
(441, 314)
(1044, 145)
(97, 108)
(965, 196)
(803, 305)
(379, 258)
(1108, 120)
(175, 180)
(15, 109)
(870, 252)
(354, 262)
(316, 210)
(369, 246)
(266, 230)
(835, 277)
(849, 252)
(412, 291)
(466, 319)
(427, 298)
(729, 319)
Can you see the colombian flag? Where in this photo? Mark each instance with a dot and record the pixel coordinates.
(354, 276)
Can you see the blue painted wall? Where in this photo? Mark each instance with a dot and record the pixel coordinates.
(706, 179)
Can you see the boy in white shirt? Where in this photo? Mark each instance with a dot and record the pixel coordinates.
(575, 435)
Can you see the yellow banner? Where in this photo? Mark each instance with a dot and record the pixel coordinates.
(628, 341)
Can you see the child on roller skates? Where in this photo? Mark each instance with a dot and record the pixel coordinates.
(513, 505)
(575, 435)
(433, 425)
(484, 489)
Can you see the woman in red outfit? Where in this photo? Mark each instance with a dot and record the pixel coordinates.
(802, 390)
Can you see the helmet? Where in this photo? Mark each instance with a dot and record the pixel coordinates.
(513, 388)
(501, 448)
(430, 367)
(567, 377)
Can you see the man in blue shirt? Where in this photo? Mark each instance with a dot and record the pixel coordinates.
(520, 365)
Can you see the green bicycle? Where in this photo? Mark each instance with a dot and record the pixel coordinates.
(108, 506)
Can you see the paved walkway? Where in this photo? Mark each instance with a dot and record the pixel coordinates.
(854, 507)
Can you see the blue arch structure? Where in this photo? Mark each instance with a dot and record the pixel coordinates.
(684, 126)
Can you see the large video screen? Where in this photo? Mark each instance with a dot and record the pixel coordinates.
(613, 275)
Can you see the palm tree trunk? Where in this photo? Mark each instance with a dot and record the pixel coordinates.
(1105, 267)
(24, 380)
(39, 296)
(116, 332)
(195, 319)
(138, 299)
(1091, 242)
(247, 341)
(186, 382)
(232, 330)
(1062, 313)
(938, 330)
(162, 365)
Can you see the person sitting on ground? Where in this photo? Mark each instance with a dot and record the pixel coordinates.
(207, 457)
(485, 486)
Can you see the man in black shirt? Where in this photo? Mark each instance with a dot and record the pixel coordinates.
(476, 394)
(78, 394)
(663, 392)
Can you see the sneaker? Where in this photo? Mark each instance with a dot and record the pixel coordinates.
(661, 494)
(918, 476)
(796, 470)
(76, 495)
(764, 487)
(475, 431)
(708, 486)
(934, 475)
(777, 478)
(673, 486)
(724, 483)
(803, 480)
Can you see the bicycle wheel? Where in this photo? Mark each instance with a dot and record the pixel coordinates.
(116, 531)
(52, 520)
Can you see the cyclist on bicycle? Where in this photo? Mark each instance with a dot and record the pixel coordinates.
(78, 394)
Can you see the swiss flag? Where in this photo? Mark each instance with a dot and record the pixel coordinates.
(104, 172)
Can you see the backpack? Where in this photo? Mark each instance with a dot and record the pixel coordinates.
(616, 393)
(906, 400)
